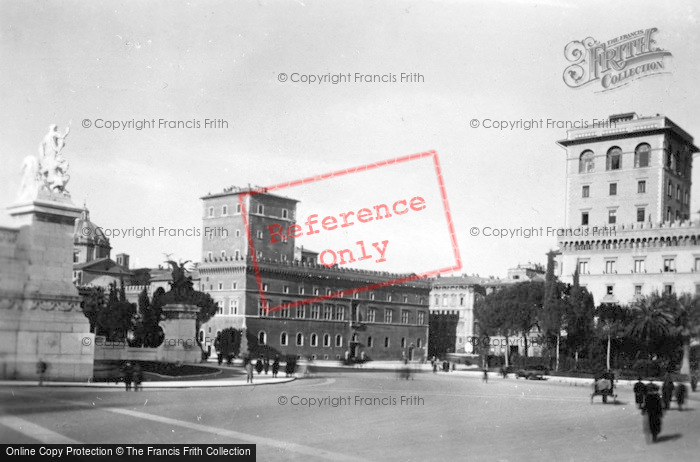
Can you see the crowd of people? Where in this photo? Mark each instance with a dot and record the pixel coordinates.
(653, 404)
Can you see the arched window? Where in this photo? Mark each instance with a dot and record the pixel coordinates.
(262, 338)
(283, 339)
(613, 159)
(585, 162)
(642, 155)
(338, 340)
(300, 339)
(355, 337)
(326, 340)
(313, 340)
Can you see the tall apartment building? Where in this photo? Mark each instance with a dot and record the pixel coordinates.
(628, 228)
(327, 314)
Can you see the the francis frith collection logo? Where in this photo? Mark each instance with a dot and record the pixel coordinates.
(614, 63)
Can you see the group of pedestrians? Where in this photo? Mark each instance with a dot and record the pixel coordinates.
(131, 373)
(261, 364)
(444, 365)
(652, 404)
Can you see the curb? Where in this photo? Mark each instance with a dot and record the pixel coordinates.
(149, 385)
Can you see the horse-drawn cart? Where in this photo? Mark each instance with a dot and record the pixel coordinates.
(604, 387)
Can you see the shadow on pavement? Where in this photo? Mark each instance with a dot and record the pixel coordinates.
(664, 438)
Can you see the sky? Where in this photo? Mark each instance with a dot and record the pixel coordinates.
(70, 62)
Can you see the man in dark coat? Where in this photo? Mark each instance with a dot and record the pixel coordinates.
(128, 375)
(652, 412)
(137, 376)
(290, 366)
(276, 366)
(667, 392)
(640, 391)
(259, 365)
(681, 392)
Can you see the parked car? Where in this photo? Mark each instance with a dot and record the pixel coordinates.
(532, 373)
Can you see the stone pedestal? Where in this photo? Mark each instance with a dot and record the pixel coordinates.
(179, 327)
(40, 314)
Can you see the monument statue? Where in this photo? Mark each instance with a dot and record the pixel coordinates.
(48, 171)
(179, 273)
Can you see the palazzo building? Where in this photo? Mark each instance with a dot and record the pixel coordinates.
(628, 228)
(326, 312)
(452, 325)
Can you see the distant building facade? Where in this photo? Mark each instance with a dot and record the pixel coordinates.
(327, 313)
(628, 228)
(452, 301)
(92, 263)
(452, 322)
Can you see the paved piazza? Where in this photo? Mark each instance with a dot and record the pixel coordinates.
(359, 416)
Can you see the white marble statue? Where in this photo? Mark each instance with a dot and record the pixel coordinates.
(49, 170)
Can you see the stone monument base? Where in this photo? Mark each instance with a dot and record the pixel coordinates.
(40, 314)
(180, 344)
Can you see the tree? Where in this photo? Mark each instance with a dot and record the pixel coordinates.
(652, 319)
(551, 316)
(687, 325)
(147, 330)
(116, 318)
(93, 302)
(523, 302)
(612, 319)
(228, 343)
(489, 315)
(579, 317)
(510, 310)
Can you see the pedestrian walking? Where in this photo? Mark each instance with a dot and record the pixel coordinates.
(694, 381)
(640, 391)
(248, 370)
(259, 365)
(41, 368)
(681, 393)
(652, 412)
(486, 376)
(275, 366)
(128, 376)
(667, 392)
(290, 366)
(266, 365)
(138, 377)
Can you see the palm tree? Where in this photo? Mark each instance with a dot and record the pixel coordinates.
(652, 318)
(687, 325)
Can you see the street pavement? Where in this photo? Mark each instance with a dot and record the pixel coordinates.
(358, 415)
